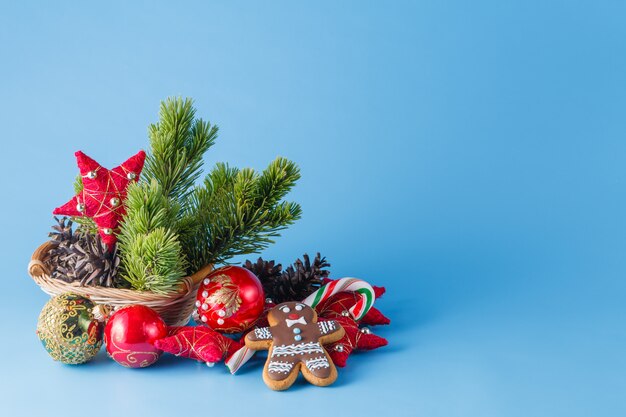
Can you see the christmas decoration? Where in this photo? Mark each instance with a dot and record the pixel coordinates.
(68, 330)
(103, 194)
(130, 334)
(151, 236)
(230, 299)
(295, 341)
(294, 283)
(168, 227)
(199, 343)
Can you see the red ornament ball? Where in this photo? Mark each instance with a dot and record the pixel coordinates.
(230, 299)
(130, 334)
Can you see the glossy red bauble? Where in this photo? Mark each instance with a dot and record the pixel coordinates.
(130, 334)
(230, 299)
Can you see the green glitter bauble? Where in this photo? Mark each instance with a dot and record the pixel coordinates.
(68, 330)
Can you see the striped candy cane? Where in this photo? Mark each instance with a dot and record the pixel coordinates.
(361, 287)
(360, 309)
(237, 359)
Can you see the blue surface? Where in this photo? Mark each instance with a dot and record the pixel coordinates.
(467, 155)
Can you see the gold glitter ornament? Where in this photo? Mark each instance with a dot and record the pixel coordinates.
(68, 329)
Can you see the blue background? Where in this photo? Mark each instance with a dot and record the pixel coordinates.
(469, 156)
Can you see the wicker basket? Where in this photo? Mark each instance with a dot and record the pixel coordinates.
(175, 307)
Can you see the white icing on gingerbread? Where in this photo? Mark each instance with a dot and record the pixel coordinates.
(263, 333)
(279, 367)
(316, 363)
(327, 326)
(297, 349)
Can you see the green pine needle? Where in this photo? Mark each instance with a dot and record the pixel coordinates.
(151, 255)
(238, 212)
(173, 227)
(152, 262)
(178, 143)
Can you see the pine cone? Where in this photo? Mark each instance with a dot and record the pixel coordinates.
(295, 283)
(264, 270)
(81, 256)
(62, 231)
(95, 265)
(62, 237)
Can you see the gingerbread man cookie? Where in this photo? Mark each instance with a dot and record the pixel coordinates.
(295, 341)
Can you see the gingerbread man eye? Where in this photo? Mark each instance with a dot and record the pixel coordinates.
(285, 309)
(299, 307)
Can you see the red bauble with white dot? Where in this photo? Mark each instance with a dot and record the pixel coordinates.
(130, 334)
(230, 299)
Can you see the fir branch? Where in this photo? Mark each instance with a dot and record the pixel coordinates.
(147, 208)
(152, 261)
(237, 212)
(232, 212)
(178, 143)
(152, 256)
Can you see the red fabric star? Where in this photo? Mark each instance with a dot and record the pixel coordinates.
(336, 308)
(197, 342)
(104, 192)
(354, 339)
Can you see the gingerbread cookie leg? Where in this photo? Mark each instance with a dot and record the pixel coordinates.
(319, 370)
(280, 373)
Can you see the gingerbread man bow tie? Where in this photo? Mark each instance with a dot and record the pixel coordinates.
(300, 320)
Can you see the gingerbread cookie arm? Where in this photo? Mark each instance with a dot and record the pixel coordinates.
(259, 338)
(330, 331)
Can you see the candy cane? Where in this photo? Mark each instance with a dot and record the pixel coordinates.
(360, 309)
(237, 359)
(361, 287)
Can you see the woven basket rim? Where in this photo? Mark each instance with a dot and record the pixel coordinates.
(38, 271)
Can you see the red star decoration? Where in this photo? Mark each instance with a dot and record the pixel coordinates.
(104, 192)
(356, 338)
(199, 343)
